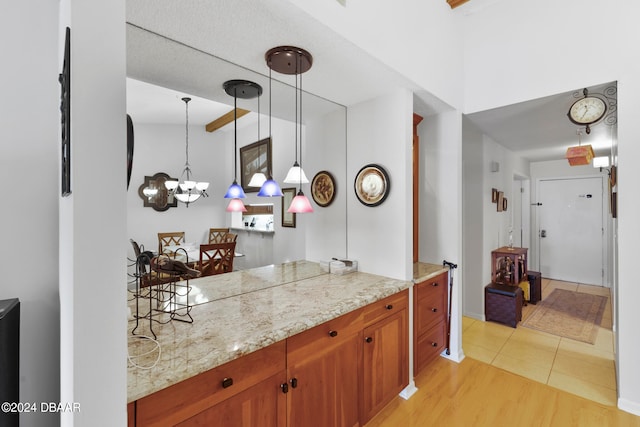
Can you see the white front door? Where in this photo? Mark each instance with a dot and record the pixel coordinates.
(571, 230)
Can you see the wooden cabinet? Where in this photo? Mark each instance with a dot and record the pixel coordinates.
(323, 366)
(509, 265)
(250, 383)
(430, 320)
(386, 353)
(339, 373)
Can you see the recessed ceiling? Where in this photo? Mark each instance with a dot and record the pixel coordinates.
(540, 130)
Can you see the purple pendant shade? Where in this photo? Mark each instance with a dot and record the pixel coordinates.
(235, 191)
(270, 188)
(236, 205)
(300, 204)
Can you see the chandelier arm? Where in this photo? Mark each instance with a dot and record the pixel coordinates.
(235, 134)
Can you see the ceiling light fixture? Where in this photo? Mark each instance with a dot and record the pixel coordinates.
(189, 190)
(296, 61)
(581, 154)
(258, 178)
(245, 90)
(270, 187)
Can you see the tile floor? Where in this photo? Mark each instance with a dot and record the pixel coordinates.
(579, 368)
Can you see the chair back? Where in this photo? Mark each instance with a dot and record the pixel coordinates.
(230, 237)
(216, 258)
(217, 235)
(169, 239)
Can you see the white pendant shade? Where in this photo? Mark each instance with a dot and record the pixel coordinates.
(257, 179)
(187, 197)
(296, 175)
(171, 185)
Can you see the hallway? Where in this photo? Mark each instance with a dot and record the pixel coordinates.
(579, 368)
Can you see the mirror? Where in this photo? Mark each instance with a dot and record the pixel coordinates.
(185, 71)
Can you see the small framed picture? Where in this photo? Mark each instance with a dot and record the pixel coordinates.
(504, 204)
(500, 206)
(288, 218)
(494, 195)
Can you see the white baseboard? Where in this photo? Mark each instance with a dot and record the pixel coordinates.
(408, 390)
(629, 406)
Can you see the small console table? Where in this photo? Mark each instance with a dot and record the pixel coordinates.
(509, 265)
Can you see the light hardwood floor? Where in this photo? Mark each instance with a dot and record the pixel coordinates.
(517, 377)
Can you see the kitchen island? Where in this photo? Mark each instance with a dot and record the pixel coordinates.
(241, 312)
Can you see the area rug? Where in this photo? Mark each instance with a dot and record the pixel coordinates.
(569, 314)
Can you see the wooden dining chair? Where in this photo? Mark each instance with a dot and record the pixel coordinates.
(230, 237)
(217, 235)
(216, 258)
(169, 239)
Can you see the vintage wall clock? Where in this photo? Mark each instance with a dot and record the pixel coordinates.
(587, 111)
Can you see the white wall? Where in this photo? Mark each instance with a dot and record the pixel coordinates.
(441, 205)
(420, 39)
(530, 64)
(93, 220)
(29, 154)
(380, 131)
(474, 208)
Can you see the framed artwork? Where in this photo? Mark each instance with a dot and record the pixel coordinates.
(494, 195)
(504, 204)
(154, 193)
(288, 218)
(129, 149)
(65, 116)
(372, 185)
(254, 158)
(500, 206)
(614, 204)
(323, 188)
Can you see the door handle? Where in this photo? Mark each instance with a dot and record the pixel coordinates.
(543, 233)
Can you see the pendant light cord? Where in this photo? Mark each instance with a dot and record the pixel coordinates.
(235, 134)
(299, 59)
(187, 169)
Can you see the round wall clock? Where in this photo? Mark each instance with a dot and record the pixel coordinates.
(372, 185)
(587, 110)
(323, 188)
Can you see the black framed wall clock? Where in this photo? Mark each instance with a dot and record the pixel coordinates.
(372, 185)
(65, 116)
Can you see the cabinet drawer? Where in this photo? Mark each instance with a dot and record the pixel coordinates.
(435, 285)
(385, 307)
(429, 345)
(325, 336)
(180, 401)
(429, 311)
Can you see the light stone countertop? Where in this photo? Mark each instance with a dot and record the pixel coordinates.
(423, 271)
(244, 312)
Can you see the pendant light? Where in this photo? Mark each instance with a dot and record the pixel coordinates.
(258, 178)
(189, 190)
(296, 61)
(292, 60)
(245, 90)
(270, 187)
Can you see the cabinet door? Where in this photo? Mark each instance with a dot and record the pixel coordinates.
(323, 366)
(385, 361)
(261, 405)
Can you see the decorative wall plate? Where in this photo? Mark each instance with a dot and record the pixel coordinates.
(372, 185)
(323, 188)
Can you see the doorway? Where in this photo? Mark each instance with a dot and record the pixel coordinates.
(571, 230)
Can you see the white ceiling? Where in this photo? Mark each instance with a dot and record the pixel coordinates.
(178, 45)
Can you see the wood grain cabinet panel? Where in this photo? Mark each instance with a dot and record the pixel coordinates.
(385, 359)
(430, 320)
(323, 368)
(184, 400)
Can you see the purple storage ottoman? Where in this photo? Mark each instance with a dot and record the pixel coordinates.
(503, 303)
